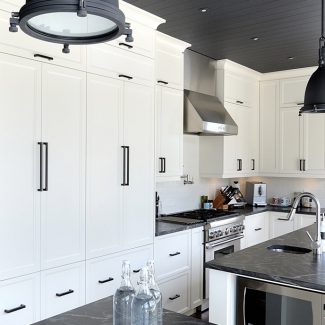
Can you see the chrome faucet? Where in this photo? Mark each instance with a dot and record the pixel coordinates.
(317, 249)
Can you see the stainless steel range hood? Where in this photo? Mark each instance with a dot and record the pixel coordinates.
(204, 113)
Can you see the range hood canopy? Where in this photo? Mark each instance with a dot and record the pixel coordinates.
(206, 115)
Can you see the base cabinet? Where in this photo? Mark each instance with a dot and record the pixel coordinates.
(20, 300)
(62, 289)
(256, 229)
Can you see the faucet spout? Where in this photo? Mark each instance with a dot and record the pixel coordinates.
(317, 241)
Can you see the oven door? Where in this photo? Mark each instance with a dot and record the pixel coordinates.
(216, 250)
(260, 303)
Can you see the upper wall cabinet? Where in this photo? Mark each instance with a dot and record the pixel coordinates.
(11, 5)
(23, 45)
(235, 155)
(170, 61)
(292, 91)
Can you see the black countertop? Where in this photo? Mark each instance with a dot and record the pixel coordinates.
(305, 270)
(164, 228)
(101, 313)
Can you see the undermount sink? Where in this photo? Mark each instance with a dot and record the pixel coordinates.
(288, 249)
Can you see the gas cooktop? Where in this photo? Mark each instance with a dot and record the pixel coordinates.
(201, 214)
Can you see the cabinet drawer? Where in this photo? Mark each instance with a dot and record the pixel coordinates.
(256, 229)
(62, 289)
(103, 275)
(26, 46)
(144, 40)
(175, 293)
(172, 253)
(113, 62)
(20, 300)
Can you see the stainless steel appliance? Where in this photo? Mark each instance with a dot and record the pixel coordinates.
(261, 303)
(256, 193)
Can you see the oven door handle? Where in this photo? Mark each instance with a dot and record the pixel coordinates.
(210, 246)
(244, 305)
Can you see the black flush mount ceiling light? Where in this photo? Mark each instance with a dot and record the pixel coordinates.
(315, 91)
(71, 21)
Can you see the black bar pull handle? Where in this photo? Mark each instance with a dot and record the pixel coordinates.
(175, 297)
(64, 293)
(9, 311)
(136, 271)
(43, 57)
(304, 165)
(127, 166)
(162, 82)
(125, 76)
(239, 102)
(126, 45)
(258, 229)
(124, 165)
(164, 170)
(175, 254)
(40, 189)
(161, 166)
(253, 161)
(300, 165)
(105, 281)
(46, 145)
(239, 165)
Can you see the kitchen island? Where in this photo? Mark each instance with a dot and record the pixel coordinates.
(101, 313)
(303, 271)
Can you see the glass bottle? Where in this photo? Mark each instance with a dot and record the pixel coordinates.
(122, 301)
(144, 310)
(154, 288)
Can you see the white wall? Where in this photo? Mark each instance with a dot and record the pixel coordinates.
(175, 196)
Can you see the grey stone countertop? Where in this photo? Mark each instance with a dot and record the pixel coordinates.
(164, 228)
(101, 313)
(303, 270)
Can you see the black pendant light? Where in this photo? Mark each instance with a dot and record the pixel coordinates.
(315, 91)
(71, 21)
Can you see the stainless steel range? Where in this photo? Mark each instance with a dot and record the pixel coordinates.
(223, 231)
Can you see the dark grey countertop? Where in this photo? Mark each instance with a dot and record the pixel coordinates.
(101, 313)
(305, 270)
(164, 228)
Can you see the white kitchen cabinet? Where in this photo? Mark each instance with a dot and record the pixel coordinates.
(103, 274)
(11, 5)
(235, 155)
(314, 144)
(269, 126)
(279, 225)
(172, 253)
(20, 300)
(197, 267)
(107, 60)
(290, 148)
(20, 131)
(120, 169)
(63, 197)
(238, 89)
(62, 289)
(292, 91)
(176, 293)
(104, 139)
(304, 220)
(20, 44)
(256, 229)
(169, 61)
(169, 130)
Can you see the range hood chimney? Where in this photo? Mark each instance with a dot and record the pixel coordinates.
(204, 113)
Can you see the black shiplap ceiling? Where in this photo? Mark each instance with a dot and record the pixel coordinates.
(286, 28)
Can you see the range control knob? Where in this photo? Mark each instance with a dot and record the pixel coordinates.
(220, 233)
(235, 228)
(227, 231)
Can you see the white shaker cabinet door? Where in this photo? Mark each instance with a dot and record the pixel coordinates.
(63, 128)
(169, 108)
(104, 165)
(20, 131)
(139, 164)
